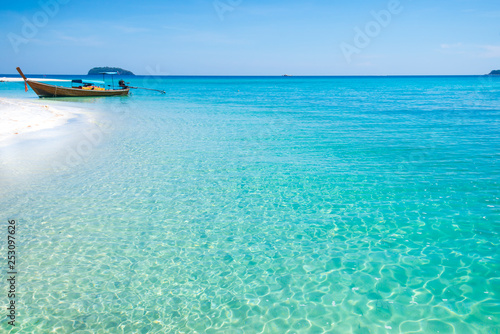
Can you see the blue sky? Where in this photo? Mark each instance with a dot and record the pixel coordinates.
(252, 37)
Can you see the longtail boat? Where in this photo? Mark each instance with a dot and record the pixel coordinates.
(80, 88)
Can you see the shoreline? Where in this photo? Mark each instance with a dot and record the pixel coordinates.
(5, 79)
(19, 117)
(41, 139)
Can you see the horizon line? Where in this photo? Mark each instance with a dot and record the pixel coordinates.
(273, 75)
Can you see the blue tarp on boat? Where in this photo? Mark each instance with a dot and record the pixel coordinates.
(92, 82)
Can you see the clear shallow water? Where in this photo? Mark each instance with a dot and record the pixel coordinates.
(248, 205)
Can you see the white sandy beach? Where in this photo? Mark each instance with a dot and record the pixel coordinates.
(18, 117)
(41, 137)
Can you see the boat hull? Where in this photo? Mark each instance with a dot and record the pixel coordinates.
(46, 90)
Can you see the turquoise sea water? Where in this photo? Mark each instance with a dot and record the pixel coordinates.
(262, 205)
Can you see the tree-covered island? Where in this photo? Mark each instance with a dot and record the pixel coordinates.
(98, 70)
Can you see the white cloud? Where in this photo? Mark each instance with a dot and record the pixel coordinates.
(209, 38)
(480, 51)
(130, 30)
(491, 51)
(177, 28)
(82, 41)
(492, 14)
(451, 46)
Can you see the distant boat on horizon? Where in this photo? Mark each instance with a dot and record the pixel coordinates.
(83, 88)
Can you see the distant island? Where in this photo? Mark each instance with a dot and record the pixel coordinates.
(98, 70)
(496, 72)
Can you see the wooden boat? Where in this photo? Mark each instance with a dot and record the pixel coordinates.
(86, 88)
